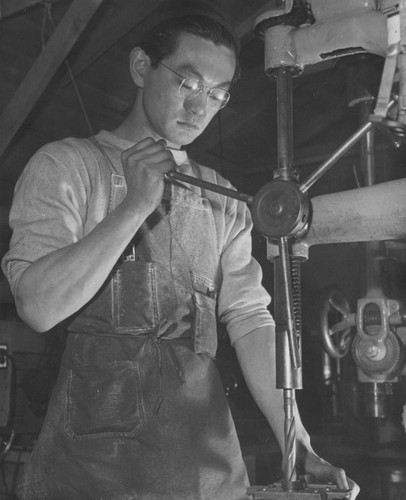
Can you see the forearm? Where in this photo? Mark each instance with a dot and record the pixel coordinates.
(60, 283)
(256, 355)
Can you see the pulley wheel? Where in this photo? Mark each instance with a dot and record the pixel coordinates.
(336, 338)
(280, 209)
(384, 357)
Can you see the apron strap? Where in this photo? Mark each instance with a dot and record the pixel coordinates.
(118, 186)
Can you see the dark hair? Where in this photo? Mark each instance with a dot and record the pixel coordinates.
(163, 40)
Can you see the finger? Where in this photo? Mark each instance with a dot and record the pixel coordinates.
(340, 478)
(355, 489)
(162, 160)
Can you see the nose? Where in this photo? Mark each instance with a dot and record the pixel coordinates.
(197, 105)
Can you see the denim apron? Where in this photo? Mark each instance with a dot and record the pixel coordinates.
(138, 411)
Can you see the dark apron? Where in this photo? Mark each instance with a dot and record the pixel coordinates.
(138, 411)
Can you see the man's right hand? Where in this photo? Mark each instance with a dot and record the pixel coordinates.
(145, 166)
(57, 285)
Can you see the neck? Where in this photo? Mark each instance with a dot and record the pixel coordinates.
(131, 128)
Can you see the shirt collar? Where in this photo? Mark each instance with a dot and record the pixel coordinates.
(179, 155)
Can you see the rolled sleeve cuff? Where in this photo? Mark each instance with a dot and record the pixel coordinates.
(244, 324)
(13, 271)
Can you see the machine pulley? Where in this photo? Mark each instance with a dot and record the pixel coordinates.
(280, 209)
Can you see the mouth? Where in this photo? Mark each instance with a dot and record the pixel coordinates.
(188, 125)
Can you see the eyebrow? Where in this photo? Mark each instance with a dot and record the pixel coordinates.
(189, 68)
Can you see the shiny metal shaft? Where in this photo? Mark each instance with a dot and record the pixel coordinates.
(290, 435)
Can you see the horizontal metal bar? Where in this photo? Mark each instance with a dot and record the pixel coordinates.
(231, 193)
(322, 169)
(348, 144)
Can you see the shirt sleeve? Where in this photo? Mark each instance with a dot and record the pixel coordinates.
(243, 301)
(48, 210)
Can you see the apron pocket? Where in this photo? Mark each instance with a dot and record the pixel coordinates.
(135, 297)
(205, 330)
(104, 401)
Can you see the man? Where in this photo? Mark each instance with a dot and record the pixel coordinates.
(140, 267)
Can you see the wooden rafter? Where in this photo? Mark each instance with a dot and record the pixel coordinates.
(11, 7)
(67, 32)
(133, 15)
(110, 31)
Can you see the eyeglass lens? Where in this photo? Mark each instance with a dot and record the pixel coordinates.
(216, 98)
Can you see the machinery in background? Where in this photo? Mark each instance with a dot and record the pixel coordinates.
(320, 27)
(327, 30)
(16, 339)
(376, 333)
(376, 337)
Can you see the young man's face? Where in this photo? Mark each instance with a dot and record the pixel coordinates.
(167, 113)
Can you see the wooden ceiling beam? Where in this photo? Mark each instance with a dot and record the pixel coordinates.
(110, 31)
(10, 7)
(129, 17)
(64, 37)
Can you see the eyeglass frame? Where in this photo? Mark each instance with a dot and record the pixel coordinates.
(202, 88)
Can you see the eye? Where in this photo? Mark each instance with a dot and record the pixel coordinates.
(191, 84)
(219, 95)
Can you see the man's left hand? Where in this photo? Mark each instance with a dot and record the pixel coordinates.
(325, 472)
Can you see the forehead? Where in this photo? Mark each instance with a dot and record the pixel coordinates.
(212, 63)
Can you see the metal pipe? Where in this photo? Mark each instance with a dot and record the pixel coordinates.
(367, 145)
(285, 122)
(322, 169)
(372, 248)
(288, 362)
(348, 144)
(286, 286)
(231, 193)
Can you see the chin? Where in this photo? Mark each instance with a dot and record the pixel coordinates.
(189, 137)
(183, 135)
(181, 139)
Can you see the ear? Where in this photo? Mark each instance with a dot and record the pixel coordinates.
(139, 64)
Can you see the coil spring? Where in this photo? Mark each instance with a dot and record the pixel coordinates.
(297, 294)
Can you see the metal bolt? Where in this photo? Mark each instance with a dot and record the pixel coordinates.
(371, 351)
(275, 208)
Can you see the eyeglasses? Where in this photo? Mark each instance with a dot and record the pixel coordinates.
(190, 88)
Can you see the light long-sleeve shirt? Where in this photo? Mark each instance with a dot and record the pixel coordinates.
(63, 194)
